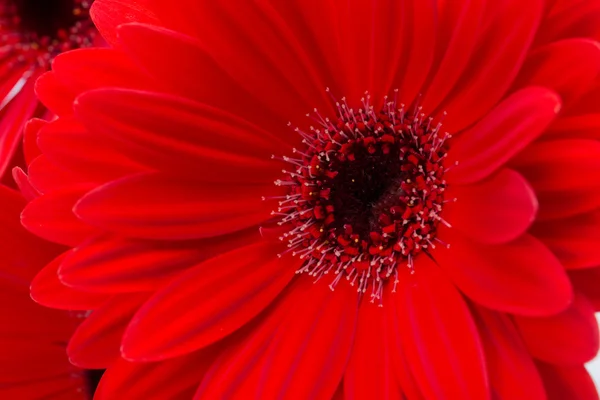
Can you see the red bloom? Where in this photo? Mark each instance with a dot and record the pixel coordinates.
(33, 339)
(165, 145)
(32, 33)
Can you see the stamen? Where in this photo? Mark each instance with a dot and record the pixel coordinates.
(366, 193)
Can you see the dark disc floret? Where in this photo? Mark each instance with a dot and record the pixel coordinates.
(33, 32)
(365, 194)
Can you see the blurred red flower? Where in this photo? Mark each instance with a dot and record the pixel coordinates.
(32, 33)
(33, 339)
(159, 172)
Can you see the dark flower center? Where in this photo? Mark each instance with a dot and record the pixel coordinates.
(365, 194)
(36, 31)
(47, 17)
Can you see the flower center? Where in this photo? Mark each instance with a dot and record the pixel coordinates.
(365, 194)
(40, 30)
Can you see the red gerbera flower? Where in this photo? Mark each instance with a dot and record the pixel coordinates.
(160, 170)
(33, 339)
(32, 33)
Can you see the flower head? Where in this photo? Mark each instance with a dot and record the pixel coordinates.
(32, 33)
(447, 172)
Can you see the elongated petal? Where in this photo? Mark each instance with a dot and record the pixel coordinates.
(575, 240)
(48, 290)
(568, 338)
(159, 206)
(432, 315)
(96, 342)
(496, 210)
(169, 379)
(568, 67)
(115, 265)
(510, 127)
(370, 371)
(521, 277)
(512, 372)
(567, 382)
(208, 302)
(51, 217)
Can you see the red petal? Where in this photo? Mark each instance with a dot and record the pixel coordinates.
(575, 240)
(459, 29)
(14, 117)
(561, 165)
(440, 339)
(175, 133)
(46, 176)
(30, 134)
(109, 14)
(174, 379)
(303, 347)
(152, 47)
(496, 210)
(568, 338)
(48, 290)
(568, 67)
(507, 129)
(421, 26)
(112, 265)
(51, 217)
(69, 145)
(92, 68)
(513, 374)
(207, 303)
(507, 30)
(521, 277)
(161, 206)
(566, 382)
(587, 282)
(370, 372)
(96, 342)
(250, 41)
(54, 95)
(562, 204)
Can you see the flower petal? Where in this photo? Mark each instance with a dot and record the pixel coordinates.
(513, 375)
(508, 28)
(319, 334)
(507, 129)
(169, 379)
(161, 206)
(177, 134)
(370, 371)
(568, 338)
(521, 277)
(51, 217)
(48, 290)
(207, 303)
(575, 241)
(115, 265)
(92, 68)
(561, 165)
(495, 210)
(151, 46)
(567, 382)
(96, 342)
(66, 143)
(109, 14)
(568, 67)
(440, 339)
(587, 281)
